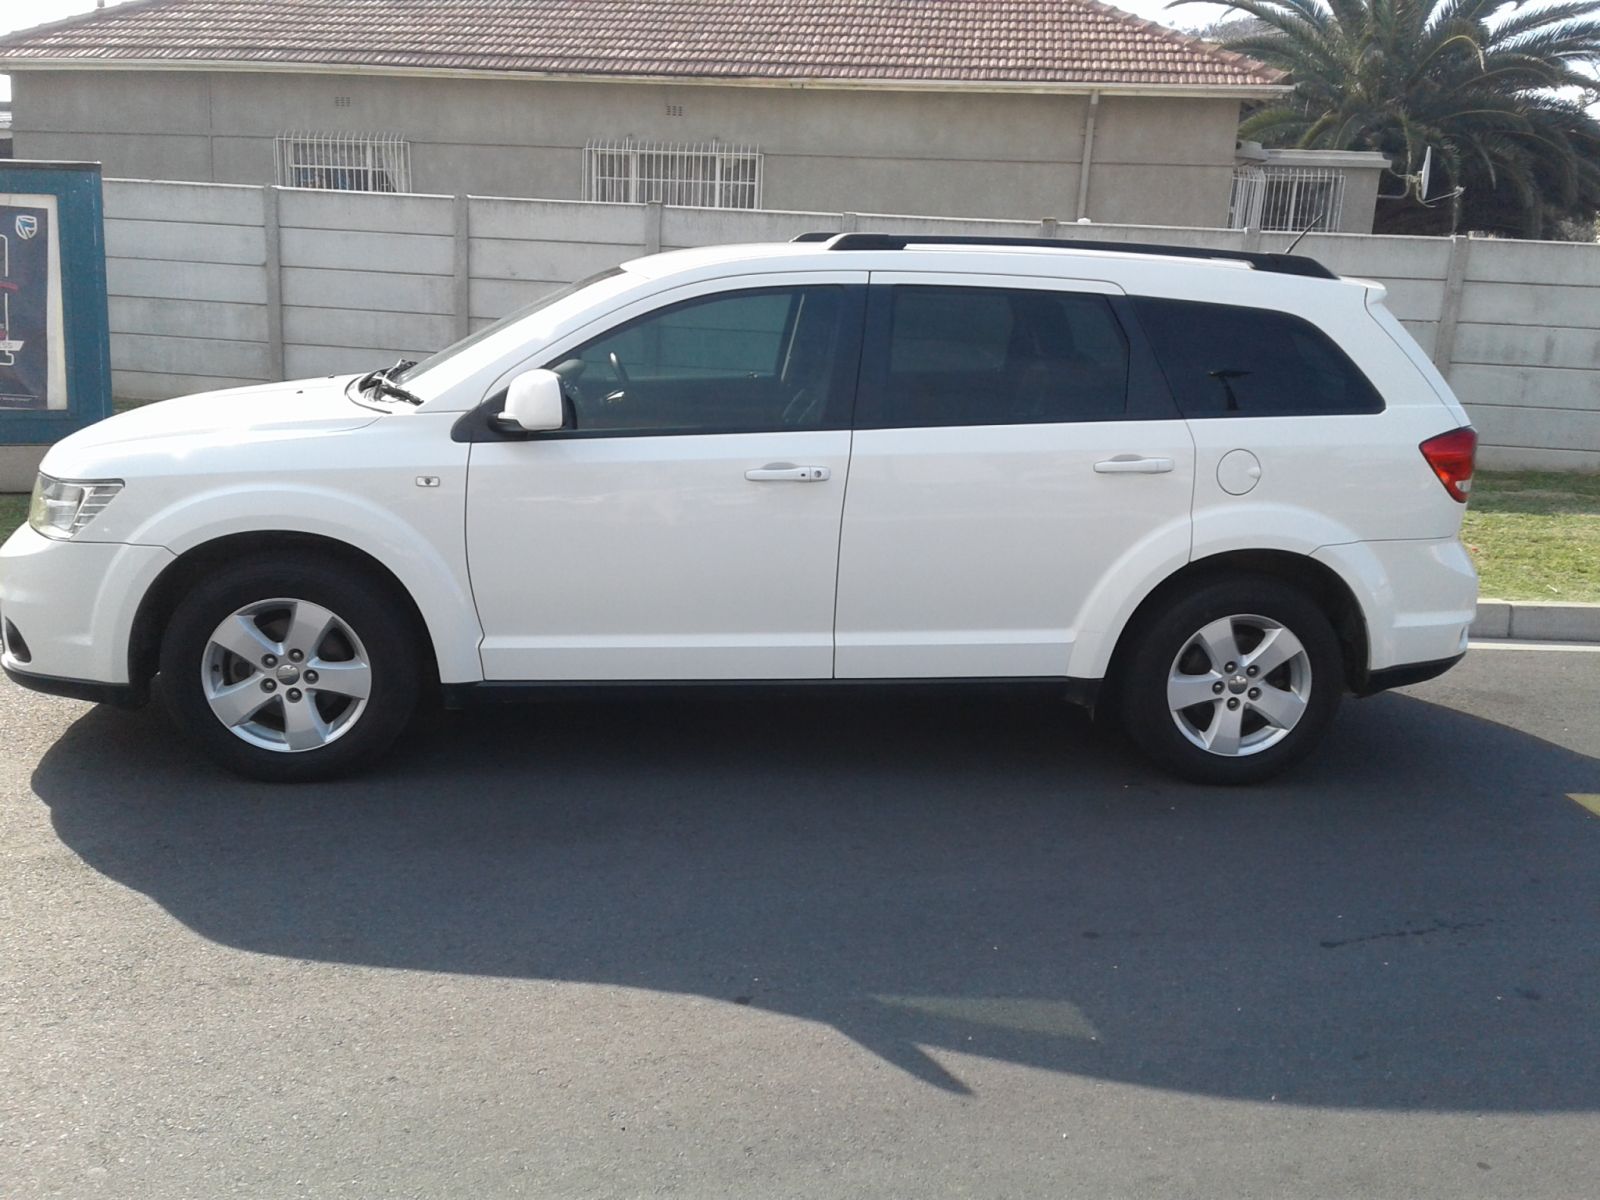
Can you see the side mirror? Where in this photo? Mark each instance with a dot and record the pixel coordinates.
(534, 402)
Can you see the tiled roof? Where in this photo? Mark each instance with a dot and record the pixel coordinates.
(1049, 43)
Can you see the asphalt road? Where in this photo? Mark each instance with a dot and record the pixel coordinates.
(828, 947)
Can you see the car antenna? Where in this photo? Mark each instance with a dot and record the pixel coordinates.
(1315, 221)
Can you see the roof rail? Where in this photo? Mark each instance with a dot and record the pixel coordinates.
(1281, 264)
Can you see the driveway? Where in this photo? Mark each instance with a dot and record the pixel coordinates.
(828, 946)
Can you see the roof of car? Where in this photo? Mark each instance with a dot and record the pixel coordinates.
(905, 252)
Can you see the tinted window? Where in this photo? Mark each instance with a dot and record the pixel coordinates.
(746, 361)
(1224, 361)
(988, 356)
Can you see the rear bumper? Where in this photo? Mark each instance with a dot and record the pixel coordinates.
(1393, 677)
(1418, 598)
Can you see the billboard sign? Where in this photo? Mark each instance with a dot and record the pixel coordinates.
(55, 342)
(32, 363)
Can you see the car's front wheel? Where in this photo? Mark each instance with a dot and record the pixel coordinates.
(290, 671)
(1232, 683)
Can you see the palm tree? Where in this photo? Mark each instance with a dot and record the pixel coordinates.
(1498, 92)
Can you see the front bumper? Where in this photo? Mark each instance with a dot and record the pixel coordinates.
(124, 695)
(74, 604)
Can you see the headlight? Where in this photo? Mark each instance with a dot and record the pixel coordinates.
(60, 509)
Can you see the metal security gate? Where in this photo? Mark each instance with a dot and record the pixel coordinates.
(1286, 199)
(691, 174)
(344, 162)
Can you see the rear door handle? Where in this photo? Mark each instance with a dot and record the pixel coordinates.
(784, 473)
(1132, 464)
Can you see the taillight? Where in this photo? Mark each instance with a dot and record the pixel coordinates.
(1450, 455)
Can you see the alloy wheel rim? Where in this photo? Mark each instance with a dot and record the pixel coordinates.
(286, 675)
(1239, 685)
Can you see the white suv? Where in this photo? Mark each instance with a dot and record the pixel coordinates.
(1206, 492)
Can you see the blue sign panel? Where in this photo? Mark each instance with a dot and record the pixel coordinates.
(55, 362)
(26, 293)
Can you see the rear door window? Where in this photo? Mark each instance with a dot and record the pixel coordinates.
(992, 356)
(1226, 361)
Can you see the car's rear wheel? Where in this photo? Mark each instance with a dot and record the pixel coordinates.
(1232, 683)
(290, 671)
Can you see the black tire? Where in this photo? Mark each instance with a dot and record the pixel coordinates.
(1313, 682)
(373, 628)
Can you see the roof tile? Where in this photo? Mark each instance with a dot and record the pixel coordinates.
(1041, 42)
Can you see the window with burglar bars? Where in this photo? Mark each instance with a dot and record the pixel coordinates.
(344, 162)
(1285, 199)
(692, 174)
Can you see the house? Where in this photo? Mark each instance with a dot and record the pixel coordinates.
(1000, 108)
(1332, 191)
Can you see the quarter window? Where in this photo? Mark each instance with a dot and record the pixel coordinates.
(994, 356)
(743, 362)
(1226, 361)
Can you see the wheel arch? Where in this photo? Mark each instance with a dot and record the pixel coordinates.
(163, 596)
(1320, 584)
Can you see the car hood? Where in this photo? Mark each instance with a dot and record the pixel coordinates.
(270, 412)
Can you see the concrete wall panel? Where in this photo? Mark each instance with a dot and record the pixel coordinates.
(1537, 428)
(186, 242)
(188, 318)
(1520, 458)
(186, 281)
(185, 203)
(1528, 346)
(1527, 387)
(378, 292)
(1532, 304)
(711, 226)
(1534, 262)
(149, 385)
(500, 258)
(308, 362)
(557, 221)
(337, 327)
(494, 298)
(341, 250)
(172, 356)
(1415, 299)
(302, 208)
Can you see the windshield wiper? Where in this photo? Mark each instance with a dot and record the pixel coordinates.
(382, 383)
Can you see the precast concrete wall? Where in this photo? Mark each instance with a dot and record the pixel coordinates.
(215, 285)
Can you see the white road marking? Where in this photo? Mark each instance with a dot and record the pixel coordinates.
(1568, 647)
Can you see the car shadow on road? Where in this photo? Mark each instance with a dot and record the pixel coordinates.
(1406, 923)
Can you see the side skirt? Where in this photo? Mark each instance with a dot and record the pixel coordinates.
(495, 691)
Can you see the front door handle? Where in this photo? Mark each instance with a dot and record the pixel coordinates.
(1132, 464)
(784, 473)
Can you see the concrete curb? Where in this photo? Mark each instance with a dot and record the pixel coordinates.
(1537, 621)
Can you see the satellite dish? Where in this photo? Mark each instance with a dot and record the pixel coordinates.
(1427, 172)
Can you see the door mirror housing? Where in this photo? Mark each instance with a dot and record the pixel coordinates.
(534, 402)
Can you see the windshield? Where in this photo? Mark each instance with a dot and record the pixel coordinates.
(438, 372)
